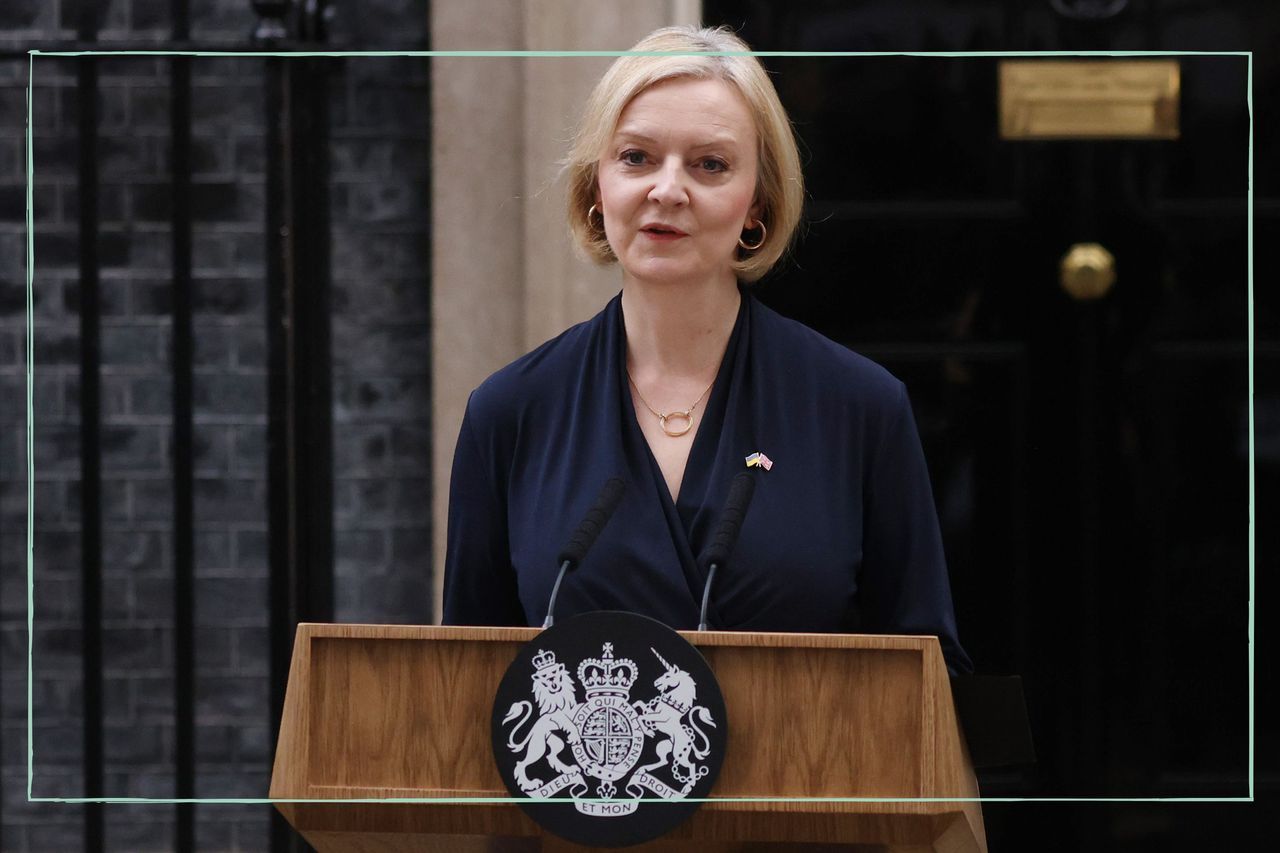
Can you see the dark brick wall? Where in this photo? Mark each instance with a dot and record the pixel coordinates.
(380, 260)
(382, 352)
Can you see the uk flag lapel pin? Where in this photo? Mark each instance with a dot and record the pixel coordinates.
(759, 460)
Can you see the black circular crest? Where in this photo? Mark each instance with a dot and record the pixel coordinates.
(609, 723)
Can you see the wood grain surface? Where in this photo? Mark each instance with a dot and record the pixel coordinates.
(385, 712)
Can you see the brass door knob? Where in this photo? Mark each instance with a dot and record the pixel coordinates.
(1087, 271)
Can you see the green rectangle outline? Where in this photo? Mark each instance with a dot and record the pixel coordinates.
(479, 54)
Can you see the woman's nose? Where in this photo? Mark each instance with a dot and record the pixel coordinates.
(668, 183)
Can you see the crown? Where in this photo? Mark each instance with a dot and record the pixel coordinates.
(606, 676)
(544, 659)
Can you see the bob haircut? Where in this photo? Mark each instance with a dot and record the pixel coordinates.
(779, 182)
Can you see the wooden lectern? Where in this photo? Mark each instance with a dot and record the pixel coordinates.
(377, 711)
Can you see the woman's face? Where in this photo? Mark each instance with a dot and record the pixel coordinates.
(677, 181)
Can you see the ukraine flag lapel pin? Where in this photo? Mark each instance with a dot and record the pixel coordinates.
(759, 460)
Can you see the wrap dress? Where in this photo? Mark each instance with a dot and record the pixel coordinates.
(842, 534)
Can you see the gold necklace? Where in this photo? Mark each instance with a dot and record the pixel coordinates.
(663, 417)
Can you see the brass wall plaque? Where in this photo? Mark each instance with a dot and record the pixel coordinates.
(1089, 99)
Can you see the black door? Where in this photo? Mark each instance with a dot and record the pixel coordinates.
(1090, 458)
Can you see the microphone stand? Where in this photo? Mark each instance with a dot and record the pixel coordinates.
(555, 590)
(741, 491)
(706, 596)
(585, 536)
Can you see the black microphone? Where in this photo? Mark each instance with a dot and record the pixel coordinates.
(717, 554)
(585, 536)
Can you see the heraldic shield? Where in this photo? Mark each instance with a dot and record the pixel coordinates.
(607, 725)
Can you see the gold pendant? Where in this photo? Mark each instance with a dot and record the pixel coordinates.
(688, 422)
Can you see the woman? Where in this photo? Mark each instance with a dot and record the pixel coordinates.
(685, 173)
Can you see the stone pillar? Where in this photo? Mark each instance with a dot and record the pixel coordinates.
(504, 277)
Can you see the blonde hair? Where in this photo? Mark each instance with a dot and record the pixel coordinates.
(779, 182)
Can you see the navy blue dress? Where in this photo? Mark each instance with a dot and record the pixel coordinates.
(842, 534)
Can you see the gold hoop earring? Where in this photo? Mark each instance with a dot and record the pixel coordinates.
(591, 226)
(764, 233)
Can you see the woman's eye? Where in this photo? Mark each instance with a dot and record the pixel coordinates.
(632, 158)
(711, 164)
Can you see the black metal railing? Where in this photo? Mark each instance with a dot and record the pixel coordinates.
(184, 599)
(90, 434)
(299, 419)
(300, 429)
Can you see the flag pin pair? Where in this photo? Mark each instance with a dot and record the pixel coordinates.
(759, 460)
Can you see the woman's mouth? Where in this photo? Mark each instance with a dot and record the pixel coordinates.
(662, 232)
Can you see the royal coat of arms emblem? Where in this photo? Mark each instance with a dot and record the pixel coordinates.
(609, 730)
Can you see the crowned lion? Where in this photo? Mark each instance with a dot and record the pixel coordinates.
(553, 690)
